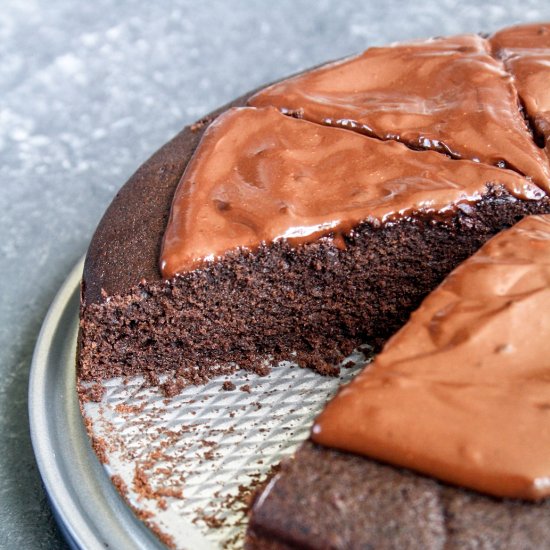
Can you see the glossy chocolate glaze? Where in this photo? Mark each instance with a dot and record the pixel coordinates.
(446, 94)
(525, 50)
(462, 392)
(259, 176)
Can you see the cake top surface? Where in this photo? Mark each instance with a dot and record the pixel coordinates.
(259, 176)
(447, 94)
(462, 391)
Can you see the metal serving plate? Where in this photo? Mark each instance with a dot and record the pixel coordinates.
(185, 465)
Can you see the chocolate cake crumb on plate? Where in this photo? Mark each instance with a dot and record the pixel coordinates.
(190, 463)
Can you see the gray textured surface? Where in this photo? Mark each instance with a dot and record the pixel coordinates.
(88, 91)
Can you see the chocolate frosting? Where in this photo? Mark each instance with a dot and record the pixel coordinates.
(462, 392)
(446, 94)
(259, 176)
(525, 50)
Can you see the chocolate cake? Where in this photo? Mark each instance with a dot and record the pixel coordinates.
(310, 217)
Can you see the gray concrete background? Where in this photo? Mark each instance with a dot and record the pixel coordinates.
(88, 91)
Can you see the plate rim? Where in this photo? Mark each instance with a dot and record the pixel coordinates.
(54, 415)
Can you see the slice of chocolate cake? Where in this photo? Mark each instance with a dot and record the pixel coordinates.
(461, 393)
(324, 498)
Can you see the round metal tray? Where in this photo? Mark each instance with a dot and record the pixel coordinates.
(90, 511)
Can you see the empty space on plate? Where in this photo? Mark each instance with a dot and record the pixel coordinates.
(188, 465)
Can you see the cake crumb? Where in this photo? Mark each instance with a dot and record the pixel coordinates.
(93, 393)
(228, 386)
(100, 447)
(123, 408)
(209, 455)
(120, 485)
(209, 519)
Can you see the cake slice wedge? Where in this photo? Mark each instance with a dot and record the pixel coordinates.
(525, 52)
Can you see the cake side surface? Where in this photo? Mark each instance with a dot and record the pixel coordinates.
(366, 504)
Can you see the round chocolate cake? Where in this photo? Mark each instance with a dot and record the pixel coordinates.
(310, 217)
